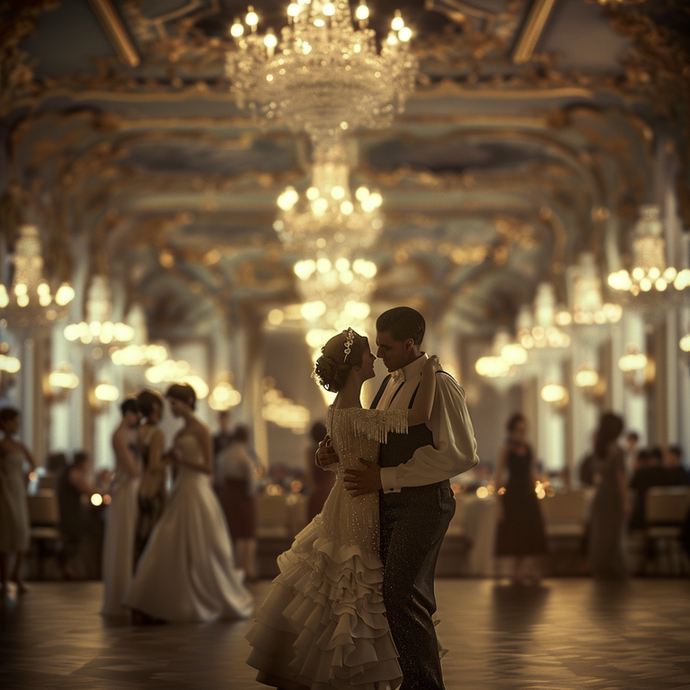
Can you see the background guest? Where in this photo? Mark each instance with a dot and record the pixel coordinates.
(75, 487)
(237, 484)
(675, 473)
(610, 506)
(649, 473)
(152, 490)
(632, 440)
(14, 513)
(223, 438)
(520, 530)
(123, 512)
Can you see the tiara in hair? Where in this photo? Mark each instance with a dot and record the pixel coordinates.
(349, 339)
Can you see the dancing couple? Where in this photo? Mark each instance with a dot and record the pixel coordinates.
(353, 604)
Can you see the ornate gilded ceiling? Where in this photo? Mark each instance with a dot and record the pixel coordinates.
(121, 140)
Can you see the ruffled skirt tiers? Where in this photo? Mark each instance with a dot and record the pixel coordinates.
(323, 625)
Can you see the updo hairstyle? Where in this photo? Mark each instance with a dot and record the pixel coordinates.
(331, 369)
(182, 392)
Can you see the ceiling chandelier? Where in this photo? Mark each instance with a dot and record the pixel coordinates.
(324, 74)
(589, 308)
(139, 352)
(98, 332)
(650, 276)
(30, 302)
(328, 213)
(540, 327)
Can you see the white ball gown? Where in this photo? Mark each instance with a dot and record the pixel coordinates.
(323, 624)
(118, 544)
(187, 572)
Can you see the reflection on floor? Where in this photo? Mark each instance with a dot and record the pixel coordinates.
(564, 635)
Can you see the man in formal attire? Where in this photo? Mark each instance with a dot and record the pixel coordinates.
(416, 502)
(223, 439)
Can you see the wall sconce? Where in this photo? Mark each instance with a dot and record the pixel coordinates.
(587, 379)
(638, 370)
(556, 394)
(101, 395)
(59, 384)
(684, 344)
(8, 366)
(224, 396)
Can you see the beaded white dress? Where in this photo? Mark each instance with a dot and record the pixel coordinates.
(323, 624)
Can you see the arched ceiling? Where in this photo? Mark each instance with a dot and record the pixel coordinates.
(496, 176)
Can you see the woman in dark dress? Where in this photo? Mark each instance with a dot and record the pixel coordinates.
(520, 530)
(610, 506)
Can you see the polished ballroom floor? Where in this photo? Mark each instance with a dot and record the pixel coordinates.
(567, 634)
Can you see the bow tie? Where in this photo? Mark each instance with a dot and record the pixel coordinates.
(398, 376)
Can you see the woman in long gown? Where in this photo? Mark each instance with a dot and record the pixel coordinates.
(120, 527)
(611, 505)
(323, 625)
(14, 511)
(520, 533)
(187, 572)
(152, 490)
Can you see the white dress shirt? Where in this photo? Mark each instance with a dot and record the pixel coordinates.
(455, 448)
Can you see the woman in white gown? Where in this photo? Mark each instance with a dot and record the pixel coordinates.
(323, 624)
(186, 572)
(14, 511)
(118, 543)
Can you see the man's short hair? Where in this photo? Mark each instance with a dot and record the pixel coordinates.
(129, 405)
(402, 323)
(633, 435)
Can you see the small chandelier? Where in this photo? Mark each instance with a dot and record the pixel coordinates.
(139, 352)
(589, 308)
(649, 275)
(329, 209)
(30, 302)
(98, 332)
(540, 327)
(324, 74)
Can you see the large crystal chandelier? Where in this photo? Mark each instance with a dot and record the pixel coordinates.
(328, 213)
(650, 276)
(30, 302)
(324, 74)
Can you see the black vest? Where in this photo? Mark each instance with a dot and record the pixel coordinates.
(401, 447)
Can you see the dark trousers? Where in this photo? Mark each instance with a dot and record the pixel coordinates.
(413, 524)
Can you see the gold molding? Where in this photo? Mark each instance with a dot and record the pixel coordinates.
(116, 31)
(538, 14)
